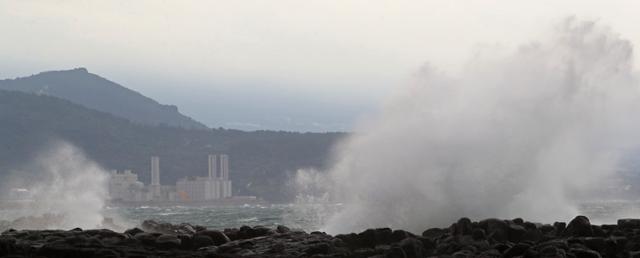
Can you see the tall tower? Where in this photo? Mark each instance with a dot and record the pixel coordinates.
(224, 167)
(155, 170)
(155, 177)
(212, 167)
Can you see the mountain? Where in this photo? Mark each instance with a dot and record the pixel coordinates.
(92, 91)
(261, 163)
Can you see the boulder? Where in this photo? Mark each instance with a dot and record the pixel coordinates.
(146, 238)
(282, 229)
(167, 228)
(199, 241)
(584, 253)
(629, 223)
(462, 227)
(434, 233)
(216, 236)
(517, 250)
(579, 227)
(133, 231)
(167, 241)
(7, 245)
(412, 247)
(515, 232)
(495, 229)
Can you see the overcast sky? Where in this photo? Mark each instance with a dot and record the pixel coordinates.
(269, 64)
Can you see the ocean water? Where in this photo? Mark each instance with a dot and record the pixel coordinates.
(310, 217)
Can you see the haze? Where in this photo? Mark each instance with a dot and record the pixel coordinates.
(284, 65)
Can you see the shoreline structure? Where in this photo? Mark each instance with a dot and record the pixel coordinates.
(464, 238)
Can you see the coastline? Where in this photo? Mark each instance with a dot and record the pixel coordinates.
(464, 238)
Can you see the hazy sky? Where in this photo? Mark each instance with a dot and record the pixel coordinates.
(292, 65)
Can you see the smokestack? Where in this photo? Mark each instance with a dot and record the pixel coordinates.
(212, 166)
(155, 171)
(224, 167)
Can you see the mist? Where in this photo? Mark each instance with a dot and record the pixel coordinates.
(522, 133)
(66, 190)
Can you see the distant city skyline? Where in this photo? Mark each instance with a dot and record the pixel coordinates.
(277, 65)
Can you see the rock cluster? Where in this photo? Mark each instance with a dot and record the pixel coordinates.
(465, 238)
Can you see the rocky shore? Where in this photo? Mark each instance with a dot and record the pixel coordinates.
(464, 238)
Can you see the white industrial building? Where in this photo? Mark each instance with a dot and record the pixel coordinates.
(124, 186)
(216, 186)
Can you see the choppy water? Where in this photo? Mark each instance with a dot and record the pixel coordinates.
(307, 217)
(311, 217)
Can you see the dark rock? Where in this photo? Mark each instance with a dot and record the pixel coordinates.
(106, 253)
(549, 251)
(533, 235)
(351, 240)
(427, 243)
(247, 232)
(598, 231)
(373, 237)
(596, 243)
(518, 221)
(546, 228)
(579, 227)
(515, 232)
(167, 228)
(488, 238)
(501, 247)
(395, 252)
(218, 237)
(629, 223)
(322, 248)
(516, 250)
(496, 229)
(7, 245)
(433, 233)
(559, 227)
(146, 238)
(490, 253)
(462, 254)
(462, 227)
(557, 243)
(399, 235)
(412, 247)
(277, 248)
(584, 253)
(133, 231)
(635, 254)
(282, 229)
(478, 234)
(199, 241)
(168, 241)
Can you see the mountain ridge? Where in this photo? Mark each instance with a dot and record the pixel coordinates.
(261, 162)
(93, 91)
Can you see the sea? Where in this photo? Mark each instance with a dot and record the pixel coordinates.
(310, 217)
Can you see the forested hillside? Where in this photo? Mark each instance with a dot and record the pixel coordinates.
(260, 162)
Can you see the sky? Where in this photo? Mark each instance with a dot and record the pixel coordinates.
(280, 64)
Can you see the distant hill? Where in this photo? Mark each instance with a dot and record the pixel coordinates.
(261, 162)
(92, 91)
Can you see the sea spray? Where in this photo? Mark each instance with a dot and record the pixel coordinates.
(515, 135)
(67, 190)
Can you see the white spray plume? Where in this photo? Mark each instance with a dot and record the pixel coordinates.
(513, 136)
(68, 190)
